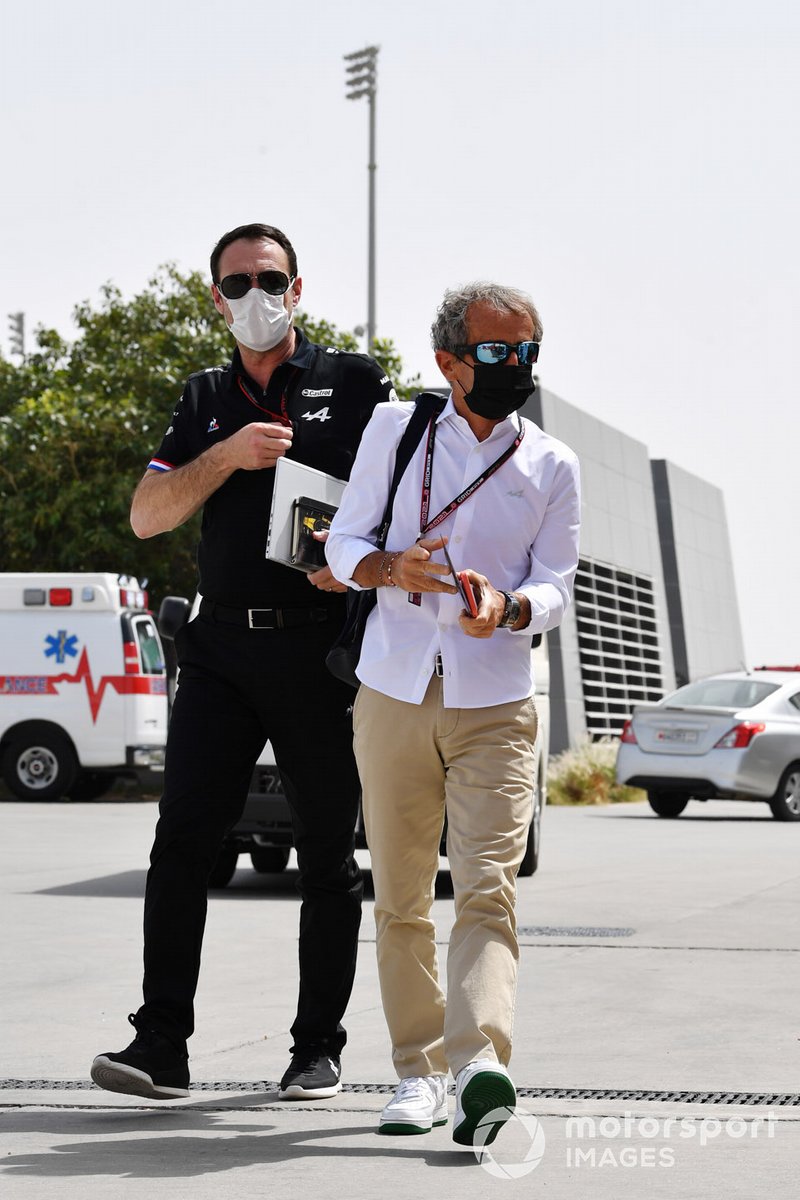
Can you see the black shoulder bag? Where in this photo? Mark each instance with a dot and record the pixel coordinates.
(342, 658)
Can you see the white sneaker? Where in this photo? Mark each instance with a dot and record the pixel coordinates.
(419, 1103)
(482, 1087)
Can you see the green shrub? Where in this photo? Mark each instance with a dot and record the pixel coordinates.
(585, 775)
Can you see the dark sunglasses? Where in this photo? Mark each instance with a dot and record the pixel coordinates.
(275, 283)
(498, 352)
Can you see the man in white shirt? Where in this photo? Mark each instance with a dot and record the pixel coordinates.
(444, 719)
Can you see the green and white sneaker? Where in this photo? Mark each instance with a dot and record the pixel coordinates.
(419, 1103)
(482, 1087)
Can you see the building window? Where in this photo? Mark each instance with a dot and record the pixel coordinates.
(618, 644)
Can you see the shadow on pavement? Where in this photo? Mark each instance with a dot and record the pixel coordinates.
(245, 885)
(687, 816)
(160, 1145)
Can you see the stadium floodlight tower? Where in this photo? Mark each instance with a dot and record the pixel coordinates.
(362, 80)
(16, 325)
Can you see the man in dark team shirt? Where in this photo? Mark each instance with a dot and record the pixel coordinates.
(252, 666)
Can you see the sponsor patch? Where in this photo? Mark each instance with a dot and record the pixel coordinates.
(317, 392)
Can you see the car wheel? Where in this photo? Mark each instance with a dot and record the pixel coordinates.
(40, 766)
(530, 861)
(667, 804)
(269, 860)
(224, 867)
(91, 785)
(785, 804)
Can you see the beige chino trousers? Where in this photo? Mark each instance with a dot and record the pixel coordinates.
(417, 762)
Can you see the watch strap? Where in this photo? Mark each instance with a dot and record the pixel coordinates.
(510, 612)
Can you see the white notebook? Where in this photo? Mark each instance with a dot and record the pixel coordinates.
(294, 480)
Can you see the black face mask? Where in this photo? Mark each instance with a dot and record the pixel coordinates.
(497, 391)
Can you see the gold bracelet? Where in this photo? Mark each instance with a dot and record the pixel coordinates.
(383, 562)
(389, 581)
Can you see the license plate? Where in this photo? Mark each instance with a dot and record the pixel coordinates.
(683, 736)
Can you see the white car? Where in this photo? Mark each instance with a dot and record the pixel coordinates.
(729, 737)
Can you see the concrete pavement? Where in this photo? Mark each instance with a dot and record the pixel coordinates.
(657, 957)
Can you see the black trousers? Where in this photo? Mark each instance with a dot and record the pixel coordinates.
(239, 687)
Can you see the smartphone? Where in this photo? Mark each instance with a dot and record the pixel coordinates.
(464, 586)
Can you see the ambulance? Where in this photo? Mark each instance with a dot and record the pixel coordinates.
(83, 684)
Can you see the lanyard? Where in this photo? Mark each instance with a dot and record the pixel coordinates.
(424, 508)
(283, 415)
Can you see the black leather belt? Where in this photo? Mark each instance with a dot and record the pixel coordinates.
(263, 618)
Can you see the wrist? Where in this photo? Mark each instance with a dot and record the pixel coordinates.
(390, 581)
(385, 569)
(512, 610)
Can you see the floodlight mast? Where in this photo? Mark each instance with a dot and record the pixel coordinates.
(362, 81)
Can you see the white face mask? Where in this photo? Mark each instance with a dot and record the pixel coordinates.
(260, 321)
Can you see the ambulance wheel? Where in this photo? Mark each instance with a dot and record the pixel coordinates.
(40, 766)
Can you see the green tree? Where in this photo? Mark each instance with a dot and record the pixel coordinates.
(79, 421)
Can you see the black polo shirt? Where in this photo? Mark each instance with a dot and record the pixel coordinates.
(328, 395)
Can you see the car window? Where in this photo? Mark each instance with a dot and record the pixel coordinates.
(149, 646)
(795, 699)
(723, 693)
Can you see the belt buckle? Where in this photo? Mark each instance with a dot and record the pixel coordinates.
(273, 621)
(438, 666)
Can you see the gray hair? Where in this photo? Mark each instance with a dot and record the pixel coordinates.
(449, 330)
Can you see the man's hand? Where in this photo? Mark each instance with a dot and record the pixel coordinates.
(256, 446)
(323, 578)
(413, 570)
(491, 606)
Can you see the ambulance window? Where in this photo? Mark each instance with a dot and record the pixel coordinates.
(149, 647)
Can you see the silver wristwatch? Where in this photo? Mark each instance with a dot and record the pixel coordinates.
(511, 611)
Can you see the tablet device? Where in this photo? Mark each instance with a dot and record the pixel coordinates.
(297, 488)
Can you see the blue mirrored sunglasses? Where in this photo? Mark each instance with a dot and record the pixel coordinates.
(498, 352)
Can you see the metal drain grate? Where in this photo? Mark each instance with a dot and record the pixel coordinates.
(770, 1099)
(586, 931)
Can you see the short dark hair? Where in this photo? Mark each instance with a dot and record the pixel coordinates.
(253, 233)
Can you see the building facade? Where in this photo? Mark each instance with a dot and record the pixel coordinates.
(655, 598)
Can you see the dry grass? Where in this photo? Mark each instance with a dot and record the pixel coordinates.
(585, 775)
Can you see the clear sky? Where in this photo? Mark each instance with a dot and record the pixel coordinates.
(634, 165)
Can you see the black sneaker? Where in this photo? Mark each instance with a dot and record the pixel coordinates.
(313, 1074)
(152, 1066)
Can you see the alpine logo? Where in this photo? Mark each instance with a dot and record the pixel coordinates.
(321, 415)
(213, 425)
(317, 392)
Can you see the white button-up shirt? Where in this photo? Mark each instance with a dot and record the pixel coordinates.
(520, 530)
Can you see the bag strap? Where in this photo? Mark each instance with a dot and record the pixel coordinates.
(428, 404)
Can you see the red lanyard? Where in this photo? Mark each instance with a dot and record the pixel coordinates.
(424, 524)
(283, 415)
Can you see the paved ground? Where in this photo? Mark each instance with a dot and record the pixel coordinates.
(658, 958)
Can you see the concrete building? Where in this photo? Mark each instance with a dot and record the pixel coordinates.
(655, 600)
